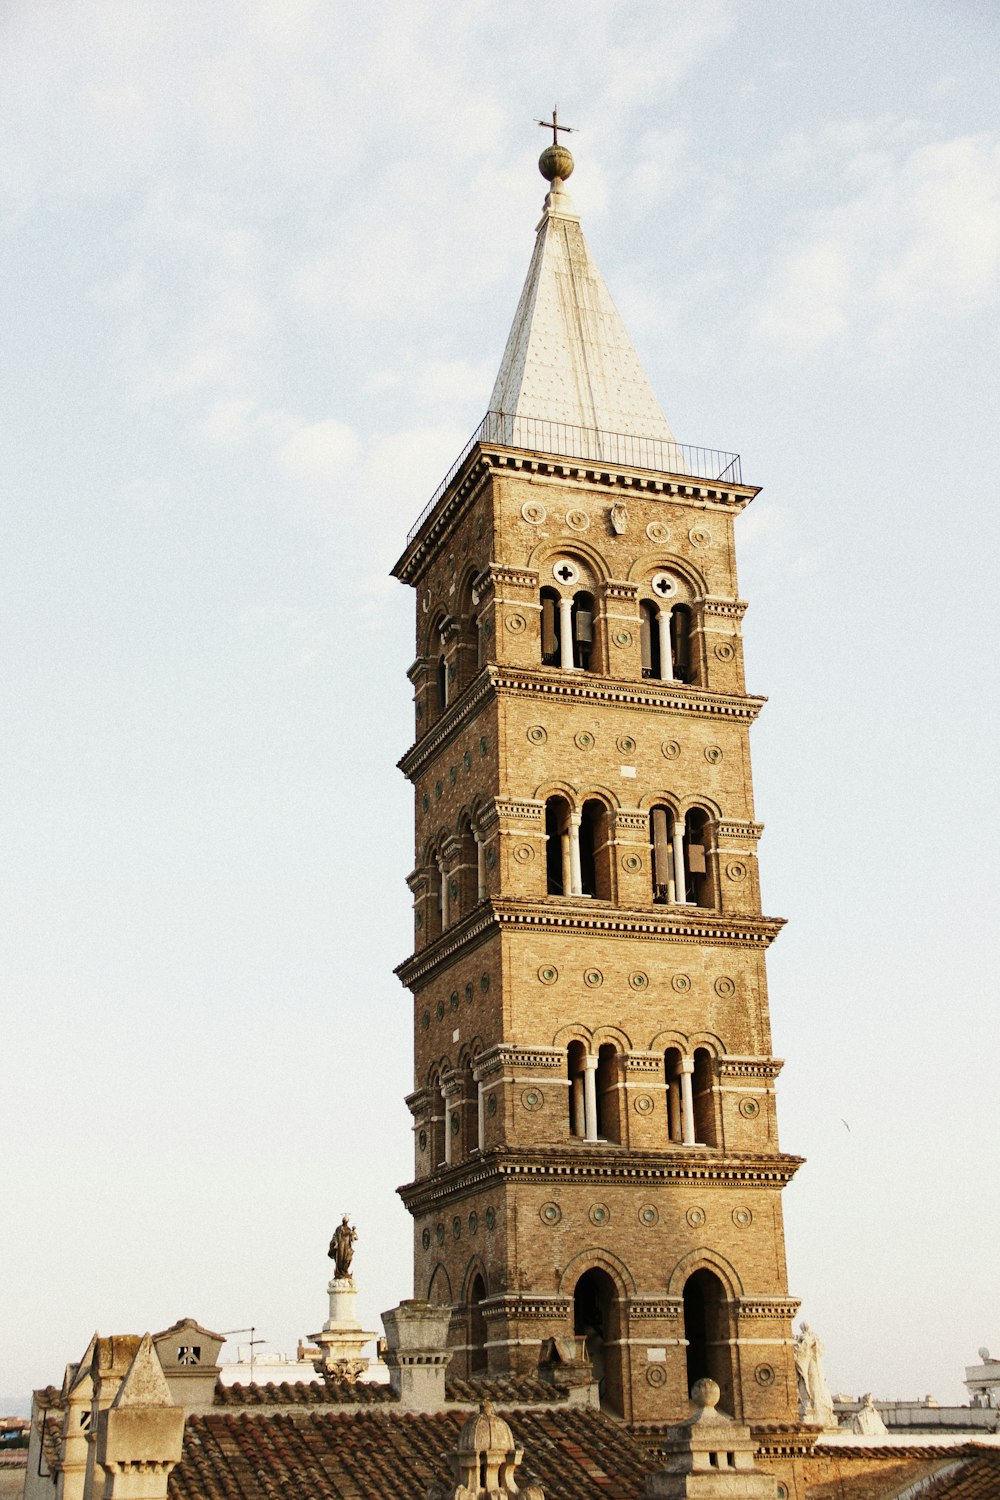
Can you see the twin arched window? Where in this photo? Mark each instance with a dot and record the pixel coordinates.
(689, 1084)
(578, 850)
(596, 1091)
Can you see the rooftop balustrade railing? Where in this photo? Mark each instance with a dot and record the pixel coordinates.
(709, 465)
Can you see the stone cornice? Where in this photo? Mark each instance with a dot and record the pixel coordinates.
(758, 1308)
(677, 924)
(667, 1308)
(666, 697)
(663, 697)
(732, 828)
(729, 609)
(601, 1165)
(485, 459)
(506, 1056)
(749, 1067)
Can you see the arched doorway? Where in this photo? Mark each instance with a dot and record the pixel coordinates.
(597, 1318)
(477, 1327)
(707, 1328)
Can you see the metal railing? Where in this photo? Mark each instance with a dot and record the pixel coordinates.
(537, 436)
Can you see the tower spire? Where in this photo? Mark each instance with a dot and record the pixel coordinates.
(569, 359)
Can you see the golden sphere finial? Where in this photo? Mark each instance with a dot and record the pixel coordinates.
(555, 161)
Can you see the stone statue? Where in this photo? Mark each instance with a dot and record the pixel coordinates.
(815, 1401)
(341, 1250)
(867, 1420)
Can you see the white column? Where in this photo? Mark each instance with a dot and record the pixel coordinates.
(576, 872)
(680, 888)
(674, 1109)
(480, 864)
(567, 863)
(579, 1114)
(590, 1097)
(443, 877)
(481, 1117)
(666, 655)
(566, 633)
(687, 1101)
(447, 1131)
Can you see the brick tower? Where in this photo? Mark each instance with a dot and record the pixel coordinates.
(597, 1172)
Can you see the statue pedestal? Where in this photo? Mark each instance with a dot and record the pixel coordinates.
(342, 1338)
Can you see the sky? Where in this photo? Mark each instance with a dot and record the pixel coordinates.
(259, 261)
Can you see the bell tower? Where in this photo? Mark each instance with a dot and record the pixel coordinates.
(596, 1148)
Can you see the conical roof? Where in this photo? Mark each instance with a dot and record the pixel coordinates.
(569, 358)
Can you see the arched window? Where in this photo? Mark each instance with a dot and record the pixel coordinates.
(649, 637)
(466, 872)
(551, 626)
(437, 1124)
(702, 1085)
(698, 881)
(558, 847)
(477, 1327)
(672, 1082)
(707, 1329)
(597, 1318)
(661, 837)
(595, 850)
(575, 1065)
(609, 1092)
(583, 629)
(681, 643)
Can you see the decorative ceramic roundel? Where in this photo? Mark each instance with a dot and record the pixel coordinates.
(547, 974)
(656, 1376)
(623, 637)
(631, 862)
(515, 624)
(456, 1228)
(439, 1010)
(453, 999)
(724, 651)
(469, 992)
(537, 734)
(764, 1374)
(725, 986)
(671, 749)
(658, 531)
(439, 1234)
(643, 1105)
(626, 744)
(600, 1213)
(577, 520)
(664, 586)
(523, 853)
(491, 1218)
(593, 978)
(550, 1213)
(584, 740)
(532, 1099)
(422, 1140)
(425, 1239)
(639, 980)
(700, 536)
(749, 1108)
(491, 1105)
(649, 1215)
(473, 1223)
(681, 983)
(564, 571)
(713, 754)
(695, 1217)
(742, 1218)
(533, 512)
(737, 870)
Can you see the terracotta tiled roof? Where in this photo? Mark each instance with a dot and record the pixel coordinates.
(512, 1390)
(978, 1479)
(318, 1392)
(575, 1454)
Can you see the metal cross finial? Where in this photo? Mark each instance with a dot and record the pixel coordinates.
(555, 127)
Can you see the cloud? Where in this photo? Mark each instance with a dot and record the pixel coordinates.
(905, 234)
(319, 453)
